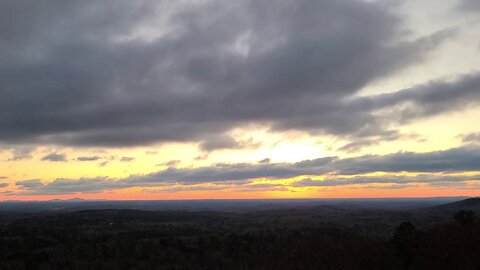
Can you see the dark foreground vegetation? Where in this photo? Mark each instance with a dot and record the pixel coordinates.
(445, 237)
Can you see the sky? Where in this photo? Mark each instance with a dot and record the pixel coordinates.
(212, 99)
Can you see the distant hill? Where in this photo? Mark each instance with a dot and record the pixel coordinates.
(467, 204)
(68, 200)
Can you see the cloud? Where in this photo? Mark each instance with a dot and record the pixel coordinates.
(265, 160)
(171, 163)
(141, 72)
(359, 143)
(3, 177)
(430, 165)
(175, 189)
(3, 185)
(429, 99)
(127, 159)
(29, 184)
(438, 180)
(220, 142)
(89, 158)
(451, 160)
(95, 185)
(55, 157)
(470, 137)
(103, 164)
(469, 5)
(67, 186)
(21, 152)
(263, 187)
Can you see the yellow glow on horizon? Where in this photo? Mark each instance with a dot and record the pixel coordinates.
(288, 148)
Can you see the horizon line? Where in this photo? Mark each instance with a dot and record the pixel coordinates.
(236, 199)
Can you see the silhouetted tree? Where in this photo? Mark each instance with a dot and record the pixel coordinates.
(464, 217)
(405, 243)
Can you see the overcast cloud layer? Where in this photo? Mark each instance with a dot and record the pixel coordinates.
(123, 73)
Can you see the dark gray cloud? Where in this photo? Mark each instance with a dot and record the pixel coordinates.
(68, 186)
(3, 185)
(89, 79)
(221, 173)
(452, 160)
(88, 158)
(407, 105)
(55, 157)
(359, 143)
(438, 166)
(469, 5)
(429, 99)
(387, 179)
(219, 142)
(95, 185)
(470, 137)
